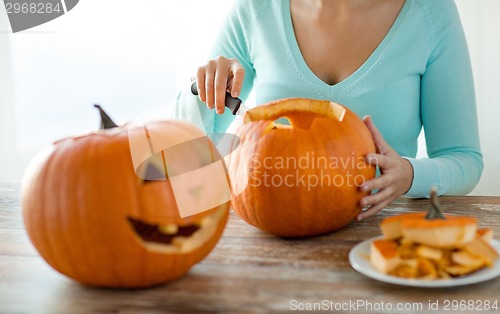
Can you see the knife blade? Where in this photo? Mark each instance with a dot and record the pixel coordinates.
(234, 104)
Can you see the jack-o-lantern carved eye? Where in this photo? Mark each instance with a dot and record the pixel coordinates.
(152, 173)
(187, 156)
(152, 169)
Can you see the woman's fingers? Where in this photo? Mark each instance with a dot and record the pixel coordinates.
(375, 184)
(238, 73)
(209, 83)
(380, 143)
(395, 178)
(373, 210)
(382, 161)
(379, 197)
(220, 87)
(218, 76)
(378, 201)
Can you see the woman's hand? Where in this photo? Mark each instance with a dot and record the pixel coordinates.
(215, 78)
(396, 175)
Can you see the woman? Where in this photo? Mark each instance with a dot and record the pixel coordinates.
(403, 63)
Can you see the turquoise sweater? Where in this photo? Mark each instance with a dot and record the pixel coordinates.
(419, 76)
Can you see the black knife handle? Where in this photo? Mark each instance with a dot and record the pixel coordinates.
(231, 102)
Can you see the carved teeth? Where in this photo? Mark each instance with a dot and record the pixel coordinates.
(168, 229)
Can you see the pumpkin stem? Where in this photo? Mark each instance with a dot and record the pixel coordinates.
(435, 211)
(106, 122)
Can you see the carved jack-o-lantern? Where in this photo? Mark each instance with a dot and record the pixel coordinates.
(94, 220)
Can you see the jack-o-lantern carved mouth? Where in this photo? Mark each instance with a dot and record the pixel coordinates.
(163, 234)
(172, 238)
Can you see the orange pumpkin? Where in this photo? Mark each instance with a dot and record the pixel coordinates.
(432, 227)
(300, 179)
(94, 220)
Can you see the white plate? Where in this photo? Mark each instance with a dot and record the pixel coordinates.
(360, 261)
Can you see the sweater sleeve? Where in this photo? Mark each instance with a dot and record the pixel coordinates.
(231, 42)
(448, 109)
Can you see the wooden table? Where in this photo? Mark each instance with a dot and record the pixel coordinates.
(248, 272)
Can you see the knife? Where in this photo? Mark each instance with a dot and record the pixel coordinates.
(234, 104)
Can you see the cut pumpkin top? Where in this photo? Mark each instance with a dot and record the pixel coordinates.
(418, 220)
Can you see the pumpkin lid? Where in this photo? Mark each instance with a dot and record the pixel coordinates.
(418, 220)
(299, 111)
(433, 223)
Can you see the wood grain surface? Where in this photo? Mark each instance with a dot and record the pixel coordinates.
(248, 272)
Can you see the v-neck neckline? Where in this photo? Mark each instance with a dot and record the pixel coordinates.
(310, 76)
